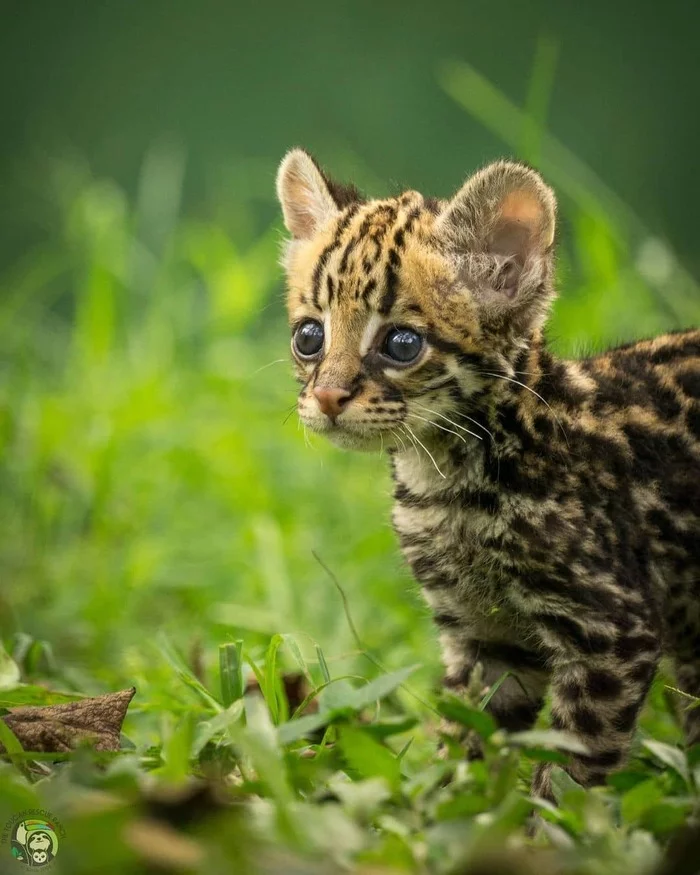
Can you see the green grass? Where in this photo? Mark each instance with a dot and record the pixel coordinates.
(164, 525)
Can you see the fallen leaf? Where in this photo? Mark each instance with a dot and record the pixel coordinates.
(60, 728)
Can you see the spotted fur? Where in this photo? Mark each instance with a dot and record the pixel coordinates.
(549, 509)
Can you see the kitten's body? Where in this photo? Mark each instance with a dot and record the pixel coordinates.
(571, 532)
(550, 509)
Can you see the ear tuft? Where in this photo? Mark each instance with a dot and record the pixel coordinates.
(304, 194)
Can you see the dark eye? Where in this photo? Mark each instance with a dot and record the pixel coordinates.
(308, 338)
(402, 345)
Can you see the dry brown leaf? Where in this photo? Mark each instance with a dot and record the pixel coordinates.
(60, 728)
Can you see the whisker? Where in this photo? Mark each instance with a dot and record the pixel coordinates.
(456, 424)
(441, 427)
(441, 382)
(476, 423)
(537, 395)
(308, 443)
(411, 441)
(430, 455)
(291, 410)
(268, 365)
(399, 439)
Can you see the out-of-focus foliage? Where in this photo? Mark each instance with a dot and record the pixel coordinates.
(159, 502)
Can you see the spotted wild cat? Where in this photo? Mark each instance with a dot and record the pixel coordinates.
(549, 509)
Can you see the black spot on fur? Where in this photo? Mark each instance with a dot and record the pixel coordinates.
(587, 721)
(602, 685)
(689, 381)
(625, 718)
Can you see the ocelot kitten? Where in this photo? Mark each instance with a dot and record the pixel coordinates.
(549, 509)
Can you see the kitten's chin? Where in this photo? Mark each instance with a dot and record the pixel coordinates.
(348, 438)
(363, 443)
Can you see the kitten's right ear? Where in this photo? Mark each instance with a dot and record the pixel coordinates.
(306, 199)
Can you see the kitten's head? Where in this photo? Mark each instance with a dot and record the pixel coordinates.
(401, 308)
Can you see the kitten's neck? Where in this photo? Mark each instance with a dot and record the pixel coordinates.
(525, 402)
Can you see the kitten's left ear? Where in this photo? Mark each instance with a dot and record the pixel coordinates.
(304, 194)
(505, 216)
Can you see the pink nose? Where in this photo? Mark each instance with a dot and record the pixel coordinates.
(331, 401)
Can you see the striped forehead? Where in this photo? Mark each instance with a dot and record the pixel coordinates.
(358, 268)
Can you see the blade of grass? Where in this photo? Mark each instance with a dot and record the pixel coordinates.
(358, 641)
(323, 665)
(539, 94)
(271, 687)
(231, 676)
(175, 661)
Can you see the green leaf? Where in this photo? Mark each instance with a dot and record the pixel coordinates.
(548, 739)
(360, 798)
(495, 687)
(9, 670)
(380, 687)
(389, 726)
(270, 690)
(295, 650)
(260, 742)
(464, 805)
(11, 743)
(30, 694)
(322, 665)
(178, 749)
(302, 727)
(230, 672)
(368, 757)
(542, 755)
(563, 784)
(668, 816)
(337, 696)
(669, 756)
(458, 711)
(339, 699)
(176, 662)
(636, 802)
(219, 723)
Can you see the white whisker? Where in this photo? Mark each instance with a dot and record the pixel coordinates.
(441, 427)
(306, 438)
(268, 365)
(476, 423)
(537, 395)
(399, 439)
(456, 424)
(410, 440)
(430, 455)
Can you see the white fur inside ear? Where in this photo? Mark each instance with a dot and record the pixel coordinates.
(306, 202)
(505, 208)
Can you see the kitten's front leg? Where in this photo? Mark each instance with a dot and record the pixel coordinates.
(597, 694)
(475, 666)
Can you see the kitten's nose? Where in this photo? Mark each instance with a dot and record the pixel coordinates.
(331, 401)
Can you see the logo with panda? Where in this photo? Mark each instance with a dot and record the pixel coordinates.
(33, 838)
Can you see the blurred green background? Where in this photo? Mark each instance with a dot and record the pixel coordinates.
(151, 475)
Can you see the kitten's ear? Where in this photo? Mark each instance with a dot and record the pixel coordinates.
(503, 221)
(304, 194)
